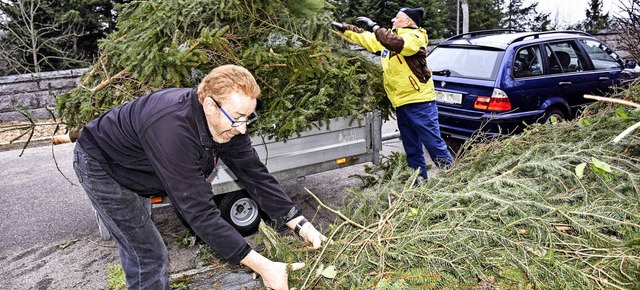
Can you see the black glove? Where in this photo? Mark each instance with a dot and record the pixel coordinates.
(372, 25)
(338, 25)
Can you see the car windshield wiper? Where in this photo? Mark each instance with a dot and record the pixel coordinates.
(444, 72)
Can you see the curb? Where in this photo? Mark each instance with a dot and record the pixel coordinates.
(19, 144)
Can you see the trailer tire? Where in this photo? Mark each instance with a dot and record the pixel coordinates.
(240, 211)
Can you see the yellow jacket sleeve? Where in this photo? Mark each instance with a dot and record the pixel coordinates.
(366, 39)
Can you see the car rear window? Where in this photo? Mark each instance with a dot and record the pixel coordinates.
(466, 62)
(528, 62)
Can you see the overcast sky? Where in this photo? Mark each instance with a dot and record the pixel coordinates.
(567, 12)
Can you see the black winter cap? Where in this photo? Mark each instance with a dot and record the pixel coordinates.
(414, 13)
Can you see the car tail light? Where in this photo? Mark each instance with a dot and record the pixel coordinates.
(499, 101)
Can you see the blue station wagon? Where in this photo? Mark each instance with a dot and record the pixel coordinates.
(496, 82)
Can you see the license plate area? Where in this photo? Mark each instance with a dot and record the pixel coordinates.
(449, 98)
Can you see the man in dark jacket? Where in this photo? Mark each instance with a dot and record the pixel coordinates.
(168, 143)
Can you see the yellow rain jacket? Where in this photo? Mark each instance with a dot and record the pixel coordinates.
(403, 51)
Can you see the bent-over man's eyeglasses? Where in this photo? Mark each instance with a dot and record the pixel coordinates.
(234, 123)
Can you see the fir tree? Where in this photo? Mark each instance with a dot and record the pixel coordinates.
(484, 14)
(306, 73)
(595, 19)
(521, 17)
(383, 11)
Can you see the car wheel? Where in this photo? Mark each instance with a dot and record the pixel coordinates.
(553, 116)
(240, 211)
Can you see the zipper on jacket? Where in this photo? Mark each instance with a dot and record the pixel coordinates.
(414, 83)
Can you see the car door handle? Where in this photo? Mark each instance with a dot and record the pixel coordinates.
(603, 79)
(565, 84)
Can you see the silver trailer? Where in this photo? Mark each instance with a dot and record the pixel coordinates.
(342, 142)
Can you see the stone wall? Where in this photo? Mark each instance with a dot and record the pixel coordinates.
(34, 93)
(612, 39)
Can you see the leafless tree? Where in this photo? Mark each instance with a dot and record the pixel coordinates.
(33, 42)
(629, 22)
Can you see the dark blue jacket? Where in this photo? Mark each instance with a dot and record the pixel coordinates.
(160, 144)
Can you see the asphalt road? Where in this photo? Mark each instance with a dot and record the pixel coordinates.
(40, 203)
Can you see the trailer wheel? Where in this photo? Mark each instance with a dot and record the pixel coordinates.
(241, 211)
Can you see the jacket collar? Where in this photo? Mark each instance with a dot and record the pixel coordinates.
(201, 121)
(402, 29)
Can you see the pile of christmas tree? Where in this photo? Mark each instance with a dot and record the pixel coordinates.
(557, 207)
(307, 75)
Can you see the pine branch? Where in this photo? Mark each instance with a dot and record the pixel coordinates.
(334, 211)
(108, 81)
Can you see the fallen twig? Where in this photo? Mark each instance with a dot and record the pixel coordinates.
(194, 272)
(335, 211)
(101, 245)
(612, 100)
(626, 132)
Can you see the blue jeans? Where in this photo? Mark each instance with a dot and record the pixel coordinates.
(418, 125)
(127, 215)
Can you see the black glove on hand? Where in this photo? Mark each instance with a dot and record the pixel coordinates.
(372, 25)
(338, 25)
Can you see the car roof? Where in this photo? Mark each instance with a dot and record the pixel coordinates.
(502, 38)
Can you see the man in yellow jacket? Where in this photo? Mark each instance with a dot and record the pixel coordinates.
(407, 81)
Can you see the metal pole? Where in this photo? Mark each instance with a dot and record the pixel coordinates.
(458, 17)
(465, 16)
(376, 135)
(390, 136)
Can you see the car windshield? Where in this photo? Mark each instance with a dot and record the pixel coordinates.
(465, 62)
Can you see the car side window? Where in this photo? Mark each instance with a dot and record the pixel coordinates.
(527, 62)
(602, 57)
(564, 57)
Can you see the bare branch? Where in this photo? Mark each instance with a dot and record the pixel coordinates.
(32, 45)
